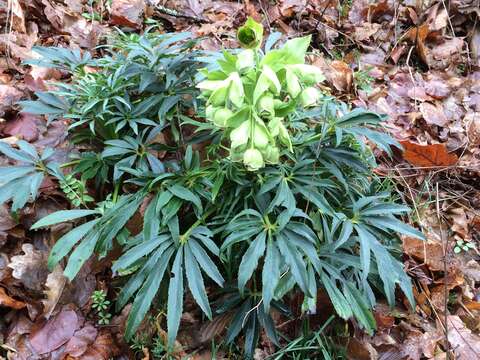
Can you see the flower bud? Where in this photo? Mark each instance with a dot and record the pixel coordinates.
(308, 74)
(235, 89)
(250, 35)
(261, 135)
(221, 116)
(277, 128)
(293, 85)
(218, 97)
(309, 97)
(236, 154)
(271, 155)
(210, 111)
(253, 159)
(277, 103)
(266, 106)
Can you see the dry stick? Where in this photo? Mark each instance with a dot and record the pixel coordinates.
(416, 211)
(448, 17)
(175, 13)
(445, 273)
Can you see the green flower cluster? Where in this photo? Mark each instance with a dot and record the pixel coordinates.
(251, 95)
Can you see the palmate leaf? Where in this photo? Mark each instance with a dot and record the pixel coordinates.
(60, 58)
(22, 182)
(65, 244)
(147, 292)
(187, 259)
(292, 245)
(96, 234)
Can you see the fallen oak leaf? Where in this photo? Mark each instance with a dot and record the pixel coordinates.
(55, 284)
(427, 155)
(30, 268)
(10, 302)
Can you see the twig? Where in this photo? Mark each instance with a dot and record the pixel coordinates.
(175, 13)
(445, 272)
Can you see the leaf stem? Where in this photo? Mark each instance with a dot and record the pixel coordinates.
(186, 234)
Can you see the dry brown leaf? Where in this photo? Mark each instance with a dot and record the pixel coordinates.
(473, 130)
(54, 288)
(383, 316)
(81, 340)
(428, 252)
(360, 350)
(460, 223)
(56, 332)
(440, 20)
(9, 95)
(472, 305)
(30, 268)
(475, 46)
(364, 32)
(463, 342)
(452, 280)
(417, 36)
(472, 270)
(337, 72)
(103, 348)
(433, 114)
(427, 155)
(397, 52)
(9, 302)
(127, 13)
(6, 223)
(342, 77)
(17, 16)
(25, 126)
(448, 49)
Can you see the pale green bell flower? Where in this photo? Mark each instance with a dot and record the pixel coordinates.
(253, 159)
(221, 116)
(240, 135)
(309, 97)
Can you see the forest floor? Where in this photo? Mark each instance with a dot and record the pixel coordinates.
(416, 61)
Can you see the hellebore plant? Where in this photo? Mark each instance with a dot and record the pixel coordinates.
(251, 94)
(239, 242)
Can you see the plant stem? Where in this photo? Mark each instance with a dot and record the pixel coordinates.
(186, 234)
(70, 163)
(115, 192)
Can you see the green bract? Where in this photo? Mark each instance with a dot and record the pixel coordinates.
(250, 35)
(251, 95)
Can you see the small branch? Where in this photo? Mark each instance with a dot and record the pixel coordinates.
(445, 272)
(174, 13)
